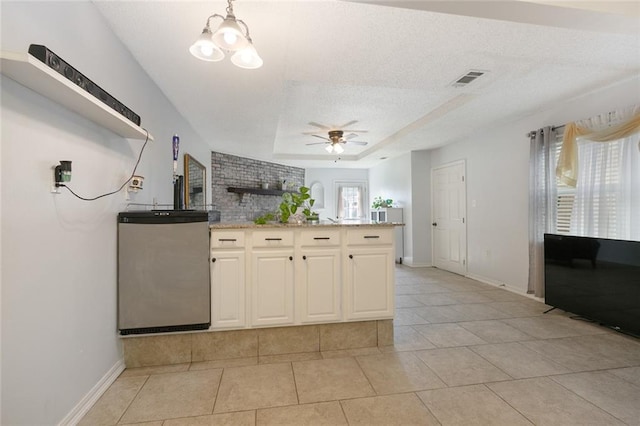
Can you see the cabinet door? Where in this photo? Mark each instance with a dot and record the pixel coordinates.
(319, 286)
(228, 289)
(369, 282)
(272, 287)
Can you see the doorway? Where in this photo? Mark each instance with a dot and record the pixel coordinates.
(448, 217)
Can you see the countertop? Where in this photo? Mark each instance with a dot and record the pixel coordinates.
(322, 224)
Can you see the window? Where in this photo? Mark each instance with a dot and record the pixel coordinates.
(351, 200)
(601, 204)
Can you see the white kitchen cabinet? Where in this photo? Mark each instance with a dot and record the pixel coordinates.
(319, 287)
(369, 274)
(272, 287)
(395, 215)
(276, 276)
(228, 299)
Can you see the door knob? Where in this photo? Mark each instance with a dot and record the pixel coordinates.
(213, 259)
(434, 224)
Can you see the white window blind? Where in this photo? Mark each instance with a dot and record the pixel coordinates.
(598, 206)
(565, 195)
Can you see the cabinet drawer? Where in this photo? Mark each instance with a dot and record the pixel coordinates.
(227, 239)
(272, 238)
(320, 238)
(369, 236)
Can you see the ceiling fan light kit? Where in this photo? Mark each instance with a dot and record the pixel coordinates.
(336, 140)
(232, 35)
(334, 148)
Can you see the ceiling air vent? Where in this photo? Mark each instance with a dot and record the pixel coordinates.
(467, 78)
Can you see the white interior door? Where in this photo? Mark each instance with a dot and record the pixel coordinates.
(448, 212)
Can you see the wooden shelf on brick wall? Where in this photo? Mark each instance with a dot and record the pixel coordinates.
(258, 191)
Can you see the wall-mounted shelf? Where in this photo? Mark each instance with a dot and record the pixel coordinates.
(258, 191)
(32, 73)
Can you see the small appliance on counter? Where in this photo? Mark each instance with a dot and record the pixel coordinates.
(163, 271)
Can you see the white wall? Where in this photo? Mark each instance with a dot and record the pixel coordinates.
(406, 180)
(421, 207)
(392, 180)
(498, 183)
(328, 178)
(58, 253)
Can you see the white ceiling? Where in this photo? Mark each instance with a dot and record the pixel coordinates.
(387, 64)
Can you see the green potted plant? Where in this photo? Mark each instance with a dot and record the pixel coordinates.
(379, 203)
(292, 202)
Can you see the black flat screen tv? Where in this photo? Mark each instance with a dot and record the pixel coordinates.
(595, 278)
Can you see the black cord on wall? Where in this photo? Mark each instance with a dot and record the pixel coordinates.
(122, 186)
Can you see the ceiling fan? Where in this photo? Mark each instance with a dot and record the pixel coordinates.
(336, 140)
(330, 128)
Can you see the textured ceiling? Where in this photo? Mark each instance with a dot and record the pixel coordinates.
(389, 65)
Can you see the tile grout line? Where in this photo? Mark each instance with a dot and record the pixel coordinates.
(507, 402)
(133, 399)
(585, 399)
(215, 401)
(295, 383)
(365, 374)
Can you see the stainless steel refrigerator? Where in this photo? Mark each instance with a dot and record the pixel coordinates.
(163, 271)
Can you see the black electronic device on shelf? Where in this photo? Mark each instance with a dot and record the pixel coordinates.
(596, 278)
(57, 64)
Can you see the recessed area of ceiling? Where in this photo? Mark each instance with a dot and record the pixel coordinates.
(339, 67)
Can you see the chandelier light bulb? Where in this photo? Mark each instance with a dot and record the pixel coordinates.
(230, 38)
(205, 49)
(247, 58)
(329, 149)
(338, 149)
(229, 35)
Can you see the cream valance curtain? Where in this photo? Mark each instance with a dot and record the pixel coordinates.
(567, 169)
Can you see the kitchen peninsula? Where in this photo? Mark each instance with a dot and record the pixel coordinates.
(288, 288)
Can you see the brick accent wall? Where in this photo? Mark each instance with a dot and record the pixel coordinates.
(230, 170)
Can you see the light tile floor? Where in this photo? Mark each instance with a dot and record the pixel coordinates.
(465, 353)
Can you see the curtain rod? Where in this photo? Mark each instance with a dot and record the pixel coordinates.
(553, 128)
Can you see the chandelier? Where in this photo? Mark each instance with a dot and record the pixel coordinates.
(231, 35)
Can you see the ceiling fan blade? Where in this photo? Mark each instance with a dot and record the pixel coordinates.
(347, 124)
(322, 126)
(354, 131)
(317, 143)
(356, 143)
(322, 137)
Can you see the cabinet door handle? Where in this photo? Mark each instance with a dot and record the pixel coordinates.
(273, 239)
(434, 224)
(213, 260)
(372, 236)
(350, 256)
(304, 257)
(321, 238)
(290, 257)
(226, 239)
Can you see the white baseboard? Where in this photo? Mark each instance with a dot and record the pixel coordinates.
(409, 262)
(502, 285)
(85, 404)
